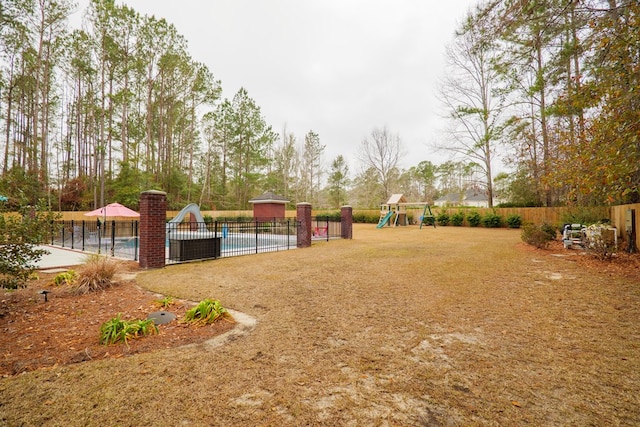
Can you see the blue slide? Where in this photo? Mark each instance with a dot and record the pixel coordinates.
(384, 220)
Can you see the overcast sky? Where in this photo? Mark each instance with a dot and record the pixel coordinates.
(338, 67)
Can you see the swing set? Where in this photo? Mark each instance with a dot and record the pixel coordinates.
(395, 212)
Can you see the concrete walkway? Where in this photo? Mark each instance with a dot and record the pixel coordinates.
(60, 258)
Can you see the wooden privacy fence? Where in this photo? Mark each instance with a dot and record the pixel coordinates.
(618, 219)
(555, 216)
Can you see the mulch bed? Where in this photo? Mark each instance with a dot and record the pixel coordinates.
(65, 329)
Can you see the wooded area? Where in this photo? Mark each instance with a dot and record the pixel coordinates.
(94, 115)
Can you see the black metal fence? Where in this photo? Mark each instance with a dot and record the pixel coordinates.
(115, 238)
(326, 228)
(188, 241)
(195, 240)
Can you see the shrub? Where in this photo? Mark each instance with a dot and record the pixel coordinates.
(536, 236)
(96, 274)
(117, 329)
(457, 218)
(365, 218)
(474, 218)
(601, 241)
(429, 220)
(492, 220)
(207, 311)
(443, 218)
(584, 215)
(335, 216)
(549, 229)
(20, 235)
(514, 221)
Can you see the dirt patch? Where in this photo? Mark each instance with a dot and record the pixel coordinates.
(65, 329)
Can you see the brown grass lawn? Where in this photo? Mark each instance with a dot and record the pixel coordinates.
(397, 327)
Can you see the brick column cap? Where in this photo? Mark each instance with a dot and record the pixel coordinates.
(154, 192)
(303, 204)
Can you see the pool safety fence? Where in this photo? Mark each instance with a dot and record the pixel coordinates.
(189, 241)
(326, 228)
(111, 237)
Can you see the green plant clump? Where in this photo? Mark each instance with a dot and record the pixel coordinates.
(65, 278)
(492, 220)
(443, 218)
(207, 311)
(165, 302)
(536, 236)
(457, 219)
(474, 218)
(117, 329)
(514, 221)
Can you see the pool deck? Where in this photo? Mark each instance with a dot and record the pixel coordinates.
(60, 258)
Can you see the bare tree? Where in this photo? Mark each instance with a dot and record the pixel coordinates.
(311, 167)
(471, 99)
(382, 152)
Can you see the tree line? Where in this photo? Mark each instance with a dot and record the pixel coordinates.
(94, 115)
(551, 85)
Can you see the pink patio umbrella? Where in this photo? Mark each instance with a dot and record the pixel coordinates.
(113, 209)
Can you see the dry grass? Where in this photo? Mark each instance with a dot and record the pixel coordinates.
(446, 326)
(96, 274)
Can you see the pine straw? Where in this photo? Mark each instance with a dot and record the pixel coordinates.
(400, 326)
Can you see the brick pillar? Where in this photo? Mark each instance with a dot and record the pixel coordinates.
(346, 220)
(303, 211)
(153, 232)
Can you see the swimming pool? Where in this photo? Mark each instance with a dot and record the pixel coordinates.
(233, 244)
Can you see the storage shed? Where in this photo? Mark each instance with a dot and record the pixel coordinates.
(268, 206)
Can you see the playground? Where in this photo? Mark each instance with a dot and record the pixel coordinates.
(398, 212)
(445, 326)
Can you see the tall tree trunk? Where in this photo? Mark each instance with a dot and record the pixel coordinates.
(541, 84)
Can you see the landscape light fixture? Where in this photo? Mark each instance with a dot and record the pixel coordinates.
(44, 292)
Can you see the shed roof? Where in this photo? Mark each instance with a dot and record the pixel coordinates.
(269, 197)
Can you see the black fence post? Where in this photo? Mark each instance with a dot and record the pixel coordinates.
(135, 238)
(73, 234)
(215, 239)
(113, 236)
(327, 228)
(256, 232)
